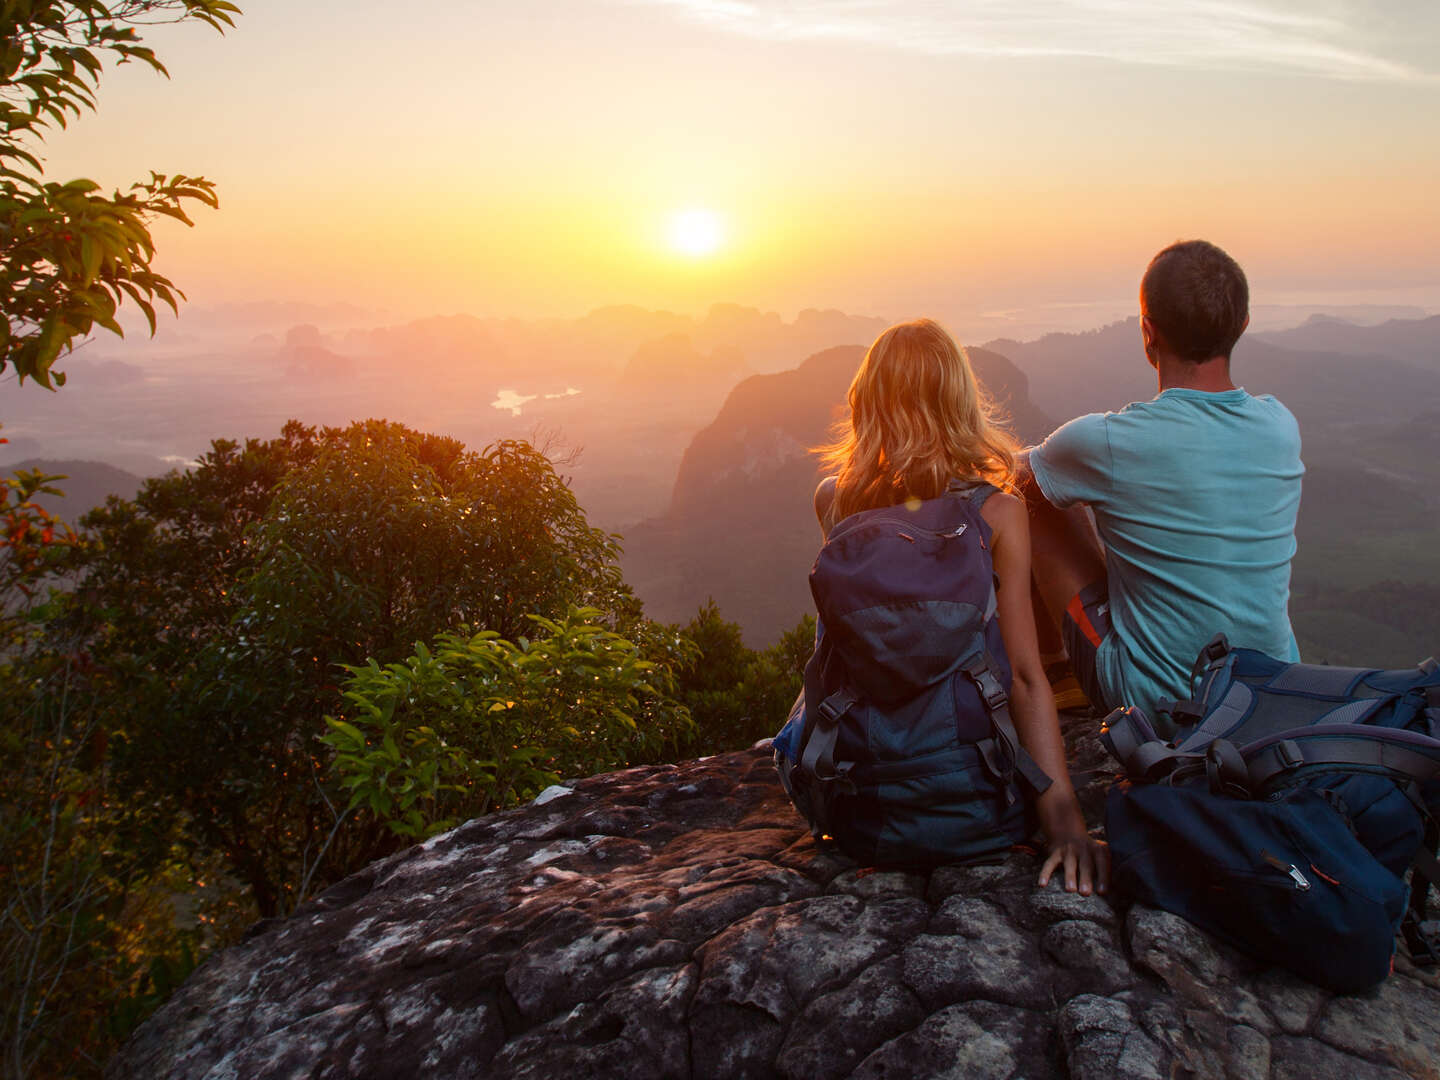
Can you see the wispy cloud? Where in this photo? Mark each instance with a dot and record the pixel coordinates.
(1275, 35)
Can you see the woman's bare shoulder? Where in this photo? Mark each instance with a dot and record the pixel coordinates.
(824, 496)
(1002, 510)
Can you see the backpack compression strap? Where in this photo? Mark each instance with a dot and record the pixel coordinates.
(818, 758)
(821, 778)
(1394, 752)
(1014, 759)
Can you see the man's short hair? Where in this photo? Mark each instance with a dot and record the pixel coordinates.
(1197, 298)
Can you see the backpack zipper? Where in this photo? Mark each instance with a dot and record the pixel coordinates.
(1302, 883)
(909, 529)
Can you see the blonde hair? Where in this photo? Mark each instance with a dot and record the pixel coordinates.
(918, 419)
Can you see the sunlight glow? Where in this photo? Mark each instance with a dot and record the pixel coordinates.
(696, 232)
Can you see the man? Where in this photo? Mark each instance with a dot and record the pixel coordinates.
(1194, 496)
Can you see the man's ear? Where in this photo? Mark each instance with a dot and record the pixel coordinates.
(1149, 335)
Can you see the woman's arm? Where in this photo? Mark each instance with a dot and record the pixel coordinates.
(1085, 862)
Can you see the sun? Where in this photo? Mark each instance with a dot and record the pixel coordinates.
(696, 232)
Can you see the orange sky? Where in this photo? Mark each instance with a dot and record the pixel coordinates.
(890, 157)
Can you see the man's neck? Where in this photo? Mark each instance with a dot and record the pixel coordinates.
(1213, 376)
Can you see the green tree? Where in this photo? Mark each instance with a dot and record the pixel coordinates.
(87, 877)
(478, 723)
(69, 254)
(737, 695)
(222, 605)
(33, 547)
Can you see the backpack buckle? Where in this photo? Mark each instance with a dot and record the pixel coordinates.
(991, 691)
(1289, 755)
(835, 706)
(1211, 656)
(1225, 770)
(841, 781)
(1184, 713)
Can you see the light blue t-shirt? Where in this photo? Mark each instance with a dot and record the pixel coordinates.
(1195, 496)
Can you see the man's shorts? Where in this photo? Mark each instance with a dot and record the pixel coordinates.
(1086, 622)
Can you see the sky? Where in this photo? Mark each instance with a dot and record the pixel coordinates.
(887, 157)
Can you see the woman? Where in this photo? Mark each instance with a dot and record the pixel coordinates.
(919, 423)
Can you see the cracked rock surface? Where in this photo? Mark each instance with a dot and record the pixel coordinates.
(679, 921)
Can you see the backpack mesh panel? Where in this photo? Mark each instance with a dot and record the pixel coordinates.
(1226, 718)
(1317, 679)
(1354, 712)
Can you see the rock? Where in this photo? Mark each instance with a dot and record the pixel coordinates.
(1291, 1000)
(679, 921)
(1086, 946)
(1199, 1043)
(1306, 1059)
(1194, 966)
(978, 956)
(872, 1009)
(1103, 1042)
(1397, 1023)
(975, 1041)
(636, 1028)
(1054, 903)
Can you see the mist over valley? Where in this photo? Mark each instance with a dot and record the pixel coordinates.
(690, 436)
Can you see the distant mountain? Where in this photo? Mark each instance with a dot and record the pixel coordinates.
(675, 359)
(740, 527)
(86, 485)
(604, 342)
(1416, 341)
(1094, 371)
(306, 354)
(1319, 378)
(767, 343)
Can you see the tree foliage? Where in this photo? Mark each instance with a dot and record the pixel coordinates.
(739, 695)
(69, 254)
(223, 605)
(288, 661)
(85, 874)
(479, 723)
(33, 547)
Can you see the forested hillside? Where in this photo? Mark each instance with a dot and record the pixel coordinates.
(257, 676)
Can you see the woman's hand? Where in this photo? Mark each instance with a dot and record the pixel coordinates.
(1086, 864)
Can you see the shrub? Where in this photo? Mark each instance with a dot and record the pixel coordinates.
(479, 723)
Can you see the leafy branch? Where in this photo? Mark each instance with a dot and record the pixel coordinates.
(69, 255)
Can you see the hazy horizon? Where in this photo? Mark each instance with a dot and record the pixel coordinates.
(890, 157)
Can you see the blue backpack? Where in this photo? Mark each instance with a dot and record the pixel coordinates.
(901, 747)
(1285, 813)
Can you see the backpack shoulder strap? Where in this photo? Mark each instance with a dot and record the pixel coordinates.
(975, 492)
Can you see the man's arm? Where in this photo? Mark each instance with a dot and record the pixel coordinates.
(1074, 464)
(1066, 552)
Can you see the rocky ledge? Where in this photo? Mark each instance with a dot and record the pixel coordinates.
(680, 921)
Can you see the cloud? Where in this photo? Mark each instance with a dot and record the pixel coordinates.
(1332, 40)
